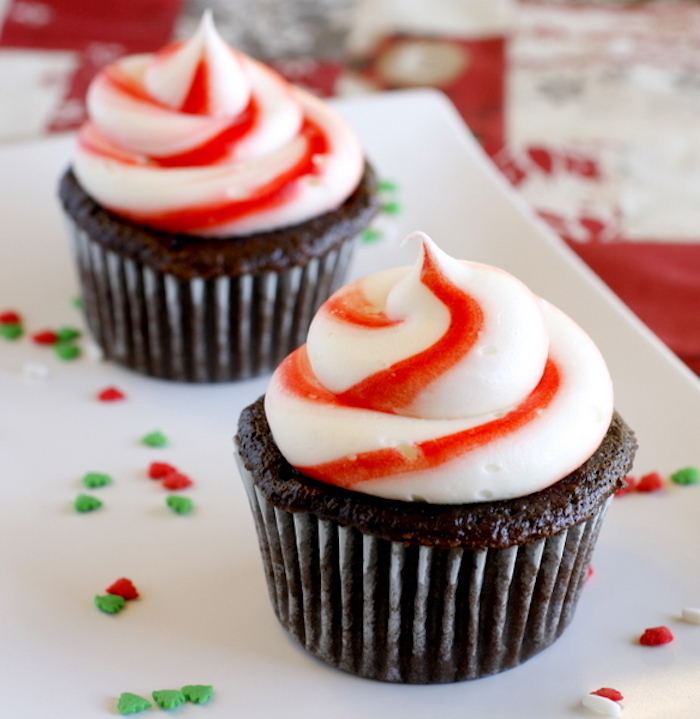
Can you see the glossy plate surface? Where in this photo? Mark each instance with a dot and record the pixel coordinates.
(204, 616)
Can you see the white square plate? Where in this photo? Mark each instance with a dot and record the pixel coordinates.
(204, 616)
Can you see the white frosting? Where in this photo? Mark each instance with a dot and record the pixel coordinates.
(146, 110)
(328, 426)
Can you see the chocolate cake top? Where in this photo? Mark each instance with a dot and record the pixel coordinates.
(493, 524)
(188, 257)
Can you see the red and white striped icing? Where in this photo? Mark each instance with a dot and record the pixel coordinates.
(446, 382)
(201, 139)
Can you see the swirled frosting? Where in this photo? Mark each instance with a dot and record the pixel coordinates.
(203, 140)
(447, 382)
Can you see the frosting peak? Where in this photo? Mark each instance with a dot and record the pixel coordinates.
(202, 76)
(446, 382)
(203, 140)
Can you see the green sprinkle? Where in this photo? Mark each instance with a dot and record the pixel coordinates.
(11, 330)
(155, 439)
(132, 703)
(110, 603)
(96, 479)
(391, 208)
(66, 350)
(77, 302)
(179, 505)
(370, 235)
(67, 334)
(86, 503)
(387, 186)
(198, 693)
(687, 475)
(168, 698)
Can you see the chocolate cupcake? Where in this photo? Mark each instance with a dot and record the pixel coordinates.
(427, 510)
(213, 208)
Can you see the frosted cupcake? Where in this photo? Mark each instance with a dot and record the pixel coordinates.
(429, 473)
(213, 207)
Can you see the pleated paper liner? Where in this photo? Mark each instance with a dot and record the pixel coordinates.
(417, 614)
(214, 330)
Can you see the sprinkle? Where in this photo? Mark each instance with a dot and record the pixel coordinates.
(110, 603)
(601, 705)
(158, 470)
(93, 480)
(391, 208)
(67, 334)
(179, 505)
(86, 503)
(650, 482)
(655, 636)
(132, 703)
(11, 331)
(66, 350)
(589, 571)
(371, 234)
(687, 475)
(123, 588)
(611, 694)
(94, 351)
(110, 394)
(77, 302)
(387, 186)
(197, 693)
(630, 483)
(35, 371)
(155, 439)
(177, 480)
(691, 615)
(168, 698)
(46, 337)
(10, 317)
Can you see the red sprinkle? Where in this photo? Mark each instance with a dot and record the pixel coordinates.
(10, 318)
(124, 588)
(589, 572)
(47, 337)
(630, 484)
(609, 693)
(177, 480)
(656, 635)
(111, 394)
(650, 482)
(158, 470)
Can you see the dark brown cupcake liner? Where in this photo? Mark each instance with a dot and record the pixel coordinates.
(200, 330)
(402, 612)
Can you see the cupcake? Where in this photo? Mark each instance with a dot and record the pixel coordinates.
(428, 474)
(213, 208)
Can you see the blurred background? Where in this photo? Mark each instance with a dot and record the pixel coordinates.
(590, 109)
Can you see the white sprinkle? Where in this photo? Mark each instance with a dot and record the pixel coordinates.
(601, 705)
(319, 160)
(35, 371)
(93, 351)
(691, 615)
